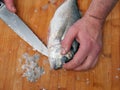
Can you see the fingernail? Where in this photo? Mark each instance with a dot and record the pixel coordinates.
(63, 51)
(13, 9)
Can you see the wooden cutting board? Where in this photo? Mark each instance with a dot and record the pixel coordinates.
(37, 15)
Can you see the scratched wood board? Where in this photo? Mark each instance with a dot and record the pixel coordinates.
(37, 15)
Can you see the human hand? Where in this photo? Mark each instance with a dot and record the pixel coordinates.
(10, 5)
(88, 32)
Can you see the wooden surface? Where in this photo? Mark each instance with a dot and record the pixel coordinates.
(37, 14)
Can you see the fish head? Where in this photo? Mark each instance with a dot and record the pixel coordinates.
(57, 59)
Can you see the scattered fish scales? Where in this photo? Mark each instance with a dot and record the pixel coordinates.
(45, 7)
(35, 10)
(53, 1)
(118, 69)
(117, 77)
(32, 71)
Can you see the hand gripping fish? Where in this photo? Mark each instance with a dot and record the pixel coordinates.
(65, 16)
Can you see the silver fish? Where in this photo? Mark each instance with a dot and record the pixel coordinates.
(65, 16)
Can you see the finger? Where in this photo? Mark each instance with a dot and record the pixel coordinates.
(92, 58)
(77, 59)
(10, 5)
(86, 65)
(68, 40)
(95, 62)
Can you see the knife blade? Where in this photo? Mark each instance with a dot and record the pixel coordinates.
(21, 29)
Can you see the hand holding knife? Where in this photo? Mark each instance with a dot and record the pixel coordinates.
(21, 29)
(10, 5)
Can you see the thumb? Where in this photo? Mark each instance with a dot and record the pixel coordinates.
(10, 5)
(68, 40)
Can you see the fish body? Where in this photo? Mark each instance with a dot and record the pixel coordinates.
(65, 16)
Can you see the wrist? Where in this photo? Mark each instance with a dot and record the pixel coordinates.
(94, 20)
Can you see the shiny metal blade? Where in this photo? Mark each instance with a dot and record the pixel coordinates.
(18, 26)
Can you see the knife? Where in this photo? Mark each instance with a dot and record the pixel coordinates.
(21, 29)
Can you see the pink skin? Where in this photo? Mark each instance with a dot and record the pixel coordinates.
(87, 31)
(10, 5)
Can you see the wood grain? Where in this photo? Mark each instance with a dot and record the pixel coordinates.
(37, 15)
